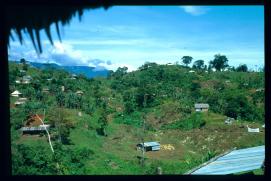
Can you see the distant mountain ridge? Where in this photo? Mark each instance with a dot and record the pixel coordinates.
(89, 72)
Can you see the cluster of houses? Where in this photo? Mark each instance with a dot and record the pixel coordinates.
(20, 100)
(24, 80)
(34, 124)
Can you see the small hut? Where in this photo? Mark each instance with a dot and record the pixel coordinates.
(74, 76)
(20, 101)
(79, 92)
(15, 93)
(199, 107)
(27, 79)
(45, 90)
(149, 146)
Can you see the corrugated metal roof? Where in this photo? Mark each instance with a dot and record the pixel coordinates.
(200, 105)
(234, 162)
(153, 143)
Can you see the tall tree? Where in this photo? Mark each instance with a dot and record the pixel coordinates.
(242, 68)
(220, 62)
(187, 60)
(60, 99)
(103, 119)
(199, 64)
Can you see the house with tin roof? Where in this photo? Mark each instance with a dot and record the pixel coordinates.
(149, 146)
(201, 107)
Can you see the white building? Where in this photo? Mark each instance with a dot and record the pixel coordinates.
(15, 93)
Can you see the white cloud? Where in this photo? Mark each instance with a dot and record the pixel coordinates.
(195, 10)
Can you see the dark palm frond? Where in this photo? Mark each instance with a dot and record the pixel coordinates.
(29, 19)
(38, 40)
(57, 30)
(19, 34)
(30, 32)
(48, 33)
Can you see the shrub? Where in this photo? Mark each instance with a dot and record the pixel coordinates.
(194, 121)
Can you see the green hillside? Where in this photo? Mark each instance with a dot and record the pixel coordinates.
(102, 141)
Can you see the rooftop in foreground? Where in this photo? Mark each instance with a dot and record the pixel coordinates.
(234, 162)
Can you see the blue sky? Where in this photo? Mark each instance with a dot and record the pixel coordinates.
(131, 35)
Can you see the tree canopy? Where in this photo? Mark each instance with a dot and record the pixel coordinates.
(220, 62)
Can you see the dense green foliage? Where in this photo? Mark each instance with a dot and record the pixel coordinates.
(194, 121)
(101, 139)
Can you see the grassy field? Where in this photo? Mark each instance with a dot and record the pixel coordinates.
(117, 154)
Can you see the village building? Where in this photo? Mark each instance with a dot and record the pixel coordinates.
(15, 93)
(22, 71)
(62, 88)
(79, 114)
(229, 120)
(17, 81)
(191, 71)
(200, 107)
(45, 90)
(74, 76)
(79, 92)
(149, 146)
(20, 101)
(260, 90)
(253, 130)
(34, 125)
(27, 79)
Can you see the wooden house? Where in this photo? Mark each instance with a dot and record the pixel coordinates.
(149, 146)
(34, 125)
(200, 107)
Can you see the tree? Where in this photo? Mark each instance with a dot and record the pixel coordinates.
(231, 68)
(34, 159)
(22, 61)
(199, 64)
(121, 71)
(129, 101)
(60, 99)
(103, 120)
(25, 66)
(220, 62)
(32, 107)
(187, 60)
(39, 95)
(59, 118)
(242, 68)
(71, 100)
(147, 65)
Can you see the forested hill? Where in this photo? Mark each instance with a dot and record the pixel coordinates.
(113, 109)
(87, 71)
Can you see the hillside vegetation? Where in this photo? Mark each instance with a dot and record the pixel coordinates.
(103, 139)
